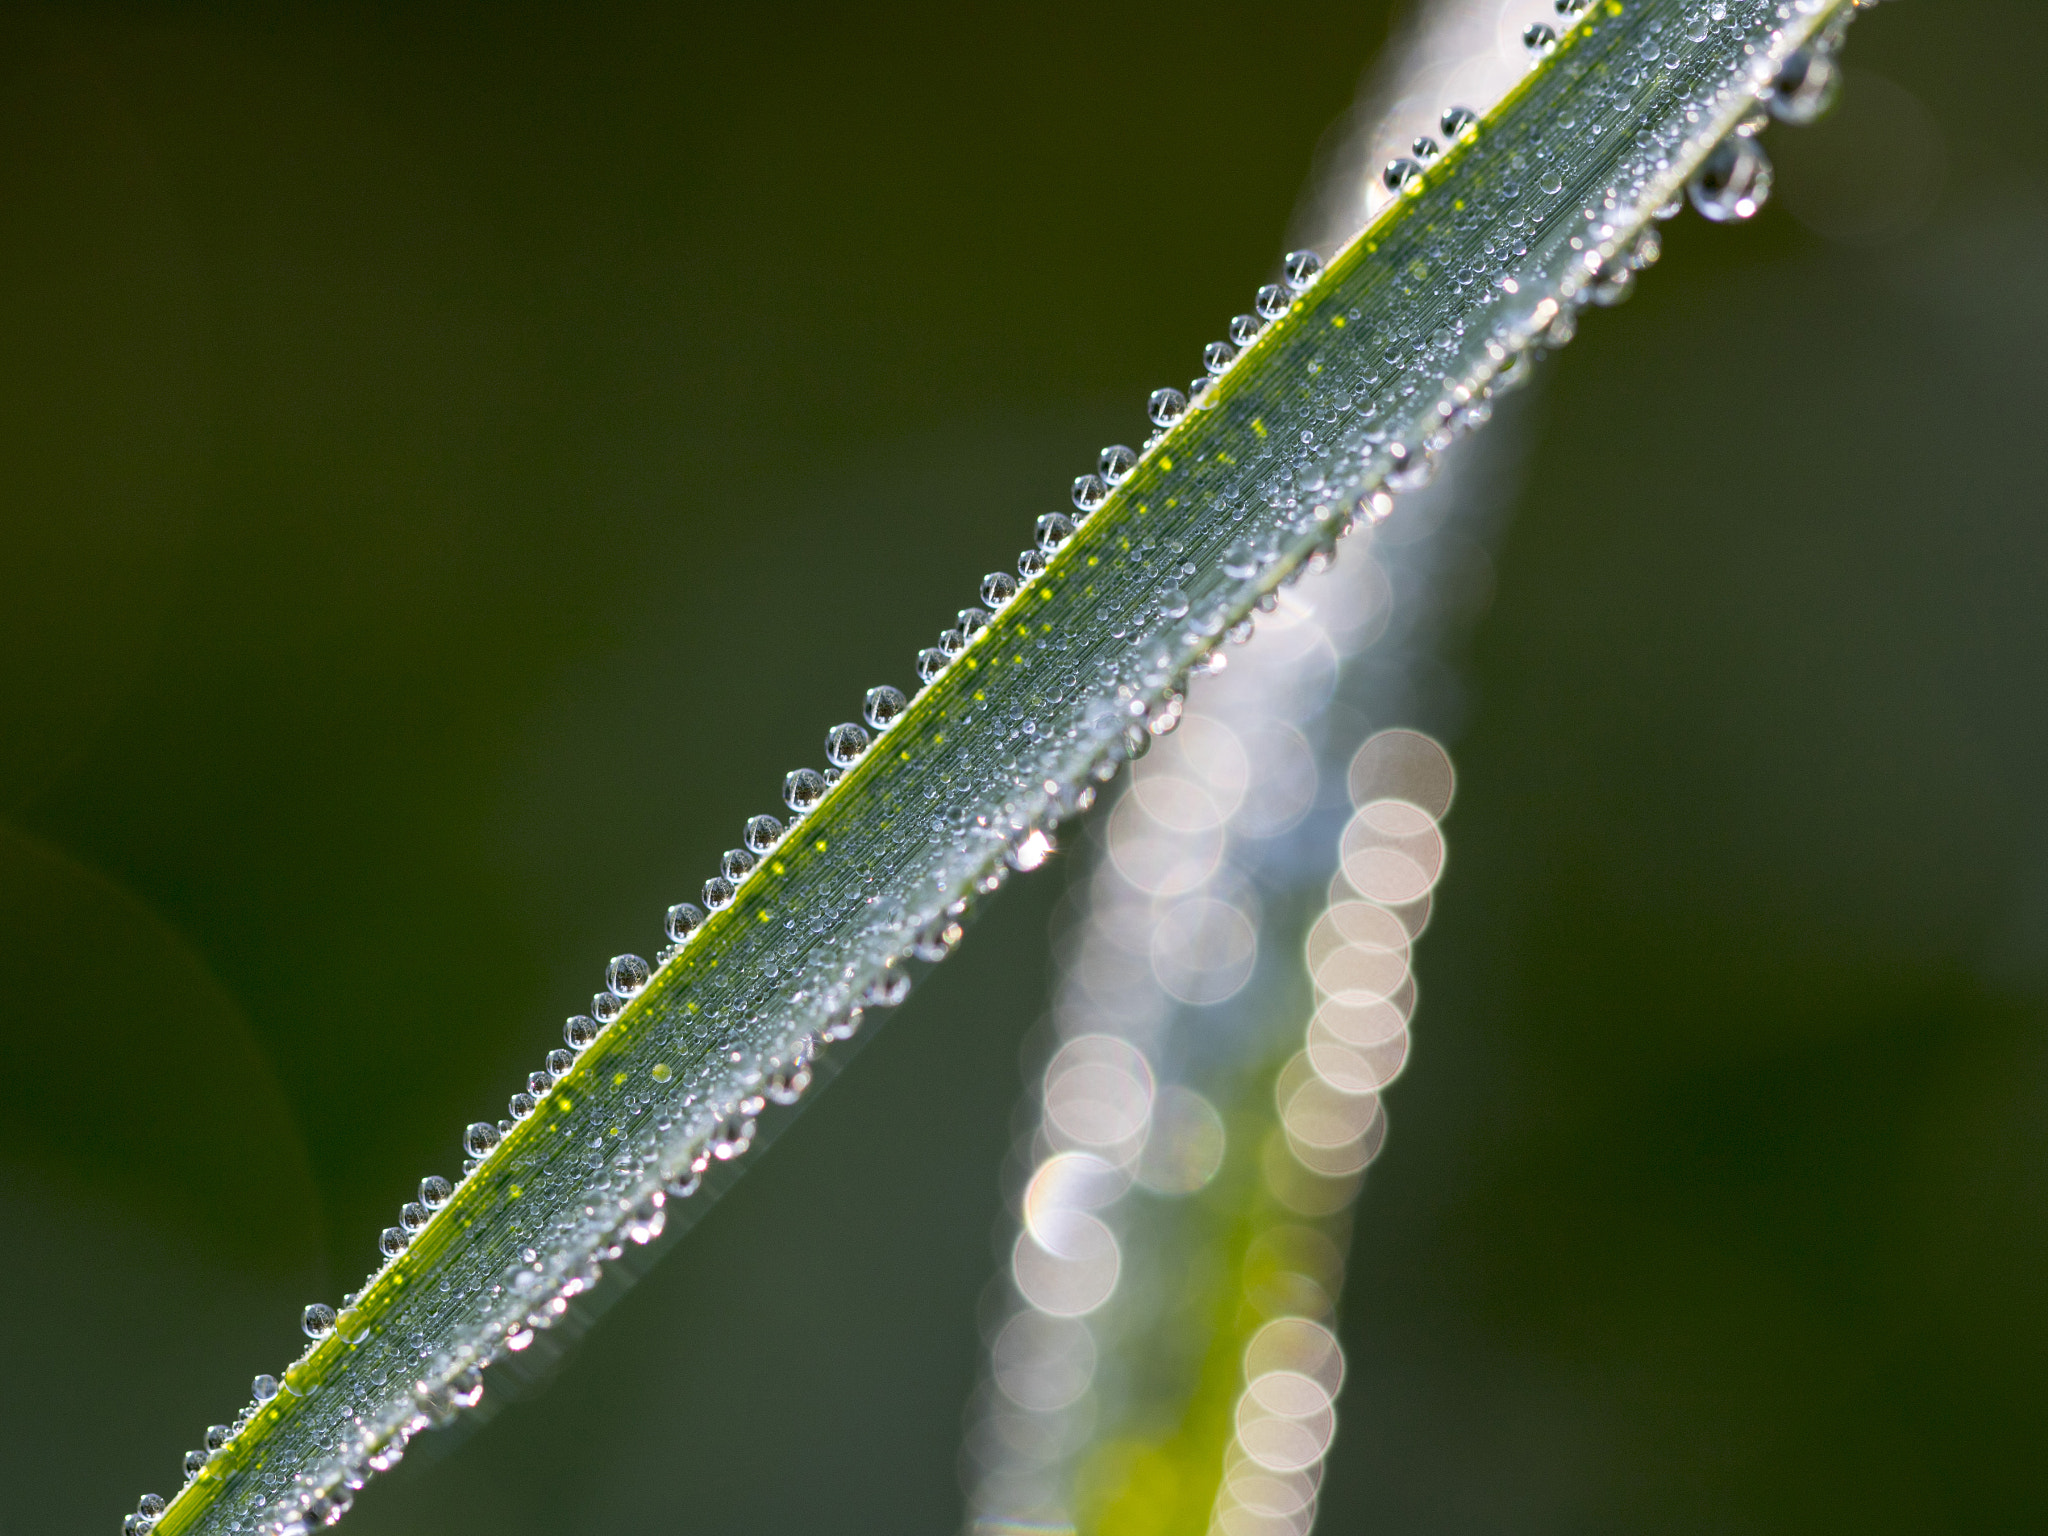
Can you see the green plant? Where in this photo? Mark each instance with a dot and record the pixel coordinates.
(1337, 395)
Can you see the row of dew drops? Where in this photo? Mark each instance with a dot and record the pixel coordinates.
(1732, 184)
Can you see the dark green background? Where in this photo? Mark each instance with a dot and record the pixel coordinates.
(456, 457)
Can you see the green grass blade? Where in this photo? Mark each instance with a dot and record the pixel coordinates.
(1377, 365)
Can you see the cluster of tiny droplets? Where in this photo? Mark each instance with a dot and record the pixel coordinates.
(1730, 185)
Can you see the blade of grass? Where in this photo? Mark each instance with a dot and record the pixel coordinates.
(1346, 397)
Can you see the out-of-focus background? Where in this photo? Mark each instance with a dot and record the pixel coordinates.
(456, 457)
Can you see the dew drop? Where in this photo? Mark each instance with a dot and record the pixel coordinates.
(685, 917)
(972, 621)
(1733, 182)
(1115, 464)
(263, 1389)
(520, 1105)
(1299, 269)
(844, 744)
(195, 1461)
(1244, 329)
(1457, 122)
(1030, 851)
(627, 975)
(802, 788)
(887, 990)
(607, 1006)
(1805, 87)
(538, 1083)
(317, 1321)
(763, 833)
(1272, 300)
(718, 893)
(392, 1240)
(883, 704)
(1572, 7)
(1400, 173)
(435, 1192)
(1167, 406)
(952, 643)
(997, 588)
(217, 1436)
(481, 1137)
(1426, 148)
(413, 1215)
(931, 661)
(1055, 528)
(1090, 491)
(579, 1032)
(1539, 38)
(1030, 565)
(1216, 357)
(151, 1505)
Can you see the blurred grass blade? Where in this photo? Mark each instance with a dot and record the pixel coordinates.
(1371, 371)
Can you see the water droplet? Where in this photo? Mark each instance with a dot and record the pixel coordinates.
(413, 1215)
(648, 1220)
(1115, 463)
(480, 1138)
(1572, 7)
(195, 1461)
(685, 917)
(627, 975)
(151, 1505)
(886, 990)
(1244, 329)
(997, 588)
(1272, 300)
(1031, 850)
(732, 1137)
(844, 744)
(538, 1083)
(435, 1192)
(1090, 491)
(317, 1321)
(392, 1240)
(1426, 148)
(802, 788)
(952, 642)
(1173, 602)
(1458, 121)
(764, 832)
(1054, 529)
(520, 1105)
(1539, 38)
(579, 1032)
(217, 1436)
(1733, 182)
(1400, 173)
(1030, 565)
(134, 1525)
(1216, 357)
(718, 893)
(263, 1389)
(787, 1085)
(559, 1062)
(972, 621)
(1299, 269)
(931, 661)
(1551, 184)
(883, 704)
(1410, 469)
(1167, 406)
(1806, 86)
